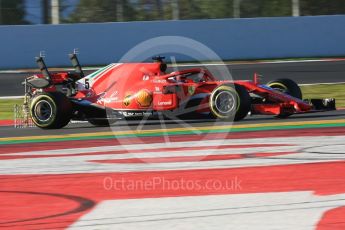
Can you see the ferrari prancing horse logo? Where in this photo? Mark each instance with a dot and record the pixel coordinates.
(191, 90)
(127, 100)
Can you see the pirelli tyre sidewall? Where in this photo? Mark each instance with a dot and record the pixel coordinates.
(51, 110)
(238, 106)
(287, 86)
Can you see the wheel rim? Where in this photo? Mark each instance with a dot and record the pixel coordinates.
(225, 102)
(43, 111)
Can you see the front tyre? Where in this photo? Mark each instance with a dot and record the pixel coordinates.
(51, 110)
(230, 102)
(286, 86)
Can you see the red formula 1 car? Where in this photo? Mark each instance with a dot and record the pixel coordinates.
(123, 90)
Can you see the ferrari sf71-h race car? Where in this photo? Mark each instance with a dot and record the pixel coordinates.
(127, 90)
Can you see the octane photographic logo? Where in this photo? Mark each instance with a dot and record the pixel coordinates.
(175, 49)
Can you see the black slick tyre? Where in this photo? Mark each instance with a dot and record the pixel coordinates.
(51, 110)
(287, 86)
(230, 102)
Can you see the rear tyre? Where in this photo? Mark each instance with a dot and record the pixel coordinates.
(230, 102)
(286, 86)
(51, 110)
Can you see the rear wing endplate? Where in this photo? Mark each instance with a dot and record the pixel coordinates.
(76, 64)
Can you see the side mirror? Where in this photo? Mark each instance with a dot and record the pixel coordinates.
(160, 59)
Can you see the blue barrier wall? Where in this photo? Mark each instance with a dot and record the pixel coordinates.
(229, 38)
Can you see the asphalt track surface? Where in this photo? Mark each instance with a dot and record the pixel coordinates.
(259, 173)
(8, 131)
(301, 72)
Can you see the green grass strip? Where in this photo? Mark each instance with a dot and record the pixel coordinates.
(7, 108)
(325, 91)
